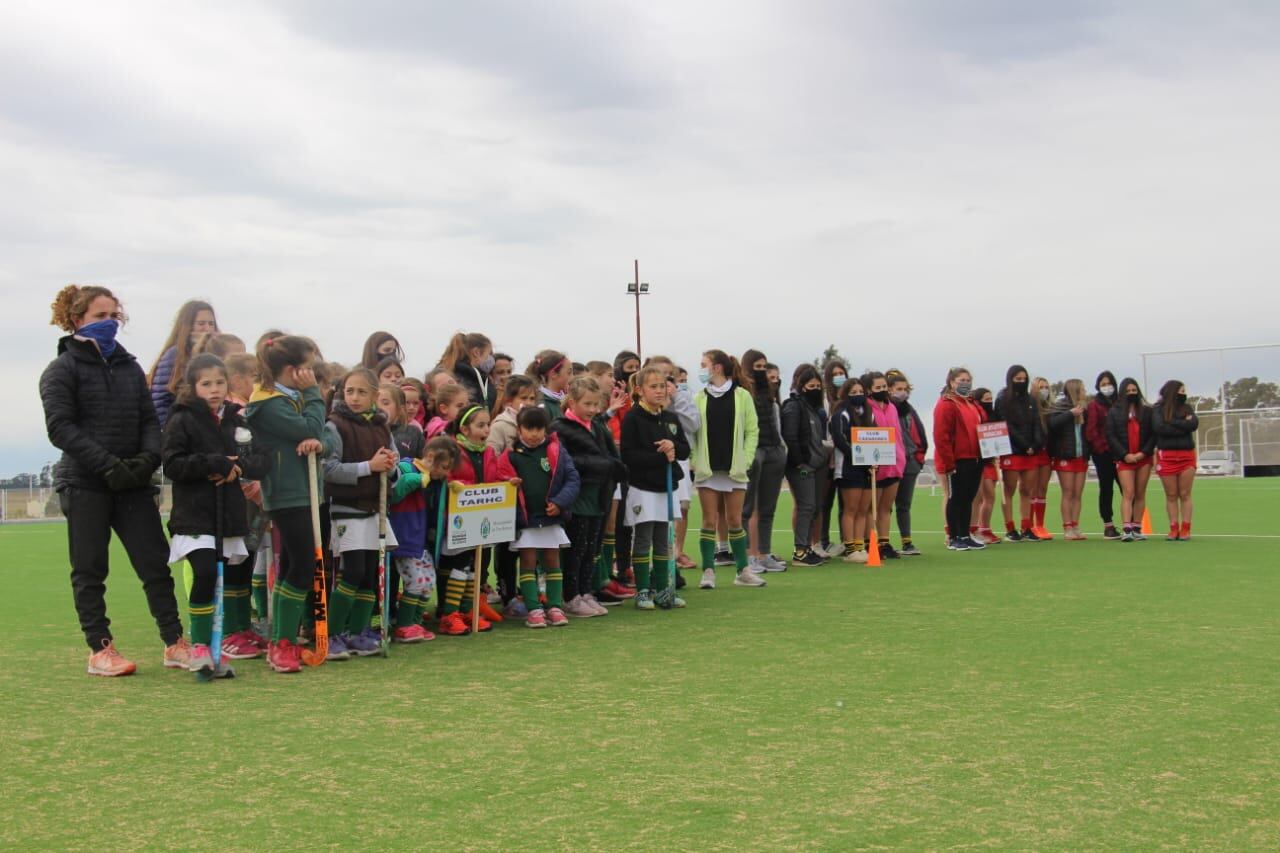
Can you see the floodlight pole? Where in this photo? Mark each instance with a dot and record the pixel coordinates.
(638, 288)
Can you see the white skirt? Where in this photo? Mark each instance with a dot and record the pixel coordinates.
(551, 536)
(684, 489)
(233, 548)
(644, 506)
(358, 534)
(722, 482)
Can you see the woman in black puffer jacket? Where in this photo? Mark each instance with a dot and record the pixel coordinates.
(804, 429)
(98, 412)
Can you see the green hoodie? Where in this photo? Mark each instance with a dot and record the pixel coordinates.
(746, 433)
(279, 424)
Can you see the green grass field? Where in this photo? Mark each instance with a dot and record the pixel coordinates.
(1061, 695)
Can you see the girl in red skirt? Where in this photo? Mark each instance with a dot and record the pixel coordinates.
(1020, 409)
(1174, 424)
(1132, 443)
(1041, 390)
(984, 502)
(1070, 451)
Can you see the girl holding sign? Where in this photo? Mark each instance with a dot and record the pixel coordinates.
(985, 503)
(1132, 444)
(957, 456)
(853, 481)
(1017, 407)
(885, 416)
(1069, 448)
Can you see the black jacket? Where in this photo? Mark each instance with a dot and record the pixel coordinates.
(1020, 412)
(1118, 431)
(766, 417)
(843, 420)
(1062, 435)
(596, 457)
(646, 468)
(195, 446)
(98, 412)
(1177, 434)
(470, 378)
(803, 428)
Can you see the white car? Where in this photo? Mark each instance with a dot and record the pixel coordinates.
(1217, 463)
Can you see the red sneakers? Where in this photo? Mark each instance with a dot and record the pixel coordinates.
(616, 589)
(239, 647)
(412, 634)
(483, 625)
(452, 625)
(556, 617)
(284, 656)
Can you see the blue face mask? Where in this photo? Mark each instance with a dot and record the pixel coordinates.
(837, 380)
(704, 376)
(103, 333)
(682, 386)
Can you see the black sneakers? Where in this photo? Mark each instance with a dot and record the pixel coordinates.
(808, 558)
(1013, 536)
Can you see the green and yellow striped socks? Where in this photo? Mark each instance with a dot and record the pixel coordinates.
(738, 545)
(529, 588)
(707, 547)
(201, 617)
(289, 607)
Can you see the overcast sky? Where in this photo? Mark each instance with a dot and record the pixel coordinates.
(922, 183)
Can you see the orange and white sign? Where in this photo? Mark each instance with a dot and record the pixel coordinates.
(874, 445)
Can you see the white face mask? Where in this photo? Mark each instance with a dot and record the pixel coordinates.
(1044, 394)
(704, 376)
(1108, 390)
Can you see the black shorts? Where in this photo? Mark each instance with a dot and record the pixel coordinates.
(861, 479)
(887, 482)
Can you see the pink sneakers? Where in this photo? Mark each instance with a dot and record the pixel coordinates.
(556, 617)
(536, 619)
(412, 634)
(240, 646)
(178, 656)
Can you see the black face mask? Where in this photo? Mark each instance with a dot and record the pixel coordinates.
(761, 378)
(1133, 398)
(857, 400)
(880, 396)
(1021, 387)
(813, 397)
(990, 409)
(1182, 399)
(626, 376)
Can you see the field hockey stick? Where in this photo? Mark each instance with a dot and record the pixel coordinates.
(216, 639)
(320, 607)
(671, 534)
(270, 533)
(383, 575)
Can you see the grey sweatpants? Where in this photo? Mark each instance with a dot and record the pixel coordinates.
(763, 487)
(804, 483)
(902, 504)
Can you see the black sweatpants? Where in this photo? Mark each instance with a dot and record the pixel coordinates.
(204, 575)
(1106, 468)
(965, 481)
(579, 562)
(135, 518)
(297, 545)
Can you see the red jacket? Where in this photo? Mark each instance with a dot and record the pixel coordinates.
(465, 472)
(615, 422)
(955, 431)
(1095, 427)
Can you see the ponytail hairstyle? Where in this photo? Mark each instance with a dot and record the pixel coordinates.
(445, 396)
(732, 369)
(181, 341)
(642, 375)
(803, 375)
(72, 303)
(191, 375)
(371, 356)
(546, 362)
(1076, 395)
(1170, 409)
(581, 386)
(397, 399)
(460, 346)
(828, 374)
(440, 449)
(275, 354)
(951, 377)
(221, 344)
(516, 385)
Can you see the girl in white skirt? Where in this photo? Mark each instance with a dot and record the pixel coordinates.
(652, 442)
(548, 486)
(361, 449)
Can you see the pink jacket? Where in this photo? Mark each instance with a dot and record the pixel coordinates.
(886, 416)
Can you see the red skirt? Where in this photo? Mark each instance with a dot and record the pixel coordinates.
(1042, 459)
(989, 472)
(1172, 462)
(1071, 466)
(1121, 465)
(1022, 462)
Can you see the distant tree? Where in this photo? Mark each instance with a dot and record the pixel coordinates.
(827, 354)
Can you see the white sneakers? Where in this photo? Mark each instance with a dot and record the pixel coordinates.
(708, 579)
(746, 577)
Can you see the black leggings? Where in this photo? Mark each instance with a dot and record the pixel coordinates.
(622, 535)
(828, 501)
(359, 569)
(1106, 468)
(579, 564)
(204, 572)
(965, 481)
(297, 546)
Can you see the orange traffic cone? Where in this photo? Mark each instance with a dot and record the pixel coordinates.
(1146, 522)
(873, 549)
